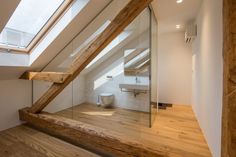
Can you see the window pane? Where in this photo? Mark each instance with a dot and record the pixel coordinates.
(27, 20)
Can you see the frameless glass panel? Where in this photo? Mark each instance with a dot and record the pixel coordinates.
(28, 19)
(113, 100)
(63, 101)
(74, 94)
(154, 99)
(65, 58)
(106, 94)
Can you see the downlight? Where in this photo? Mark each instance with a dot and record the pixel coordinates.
(179, 1)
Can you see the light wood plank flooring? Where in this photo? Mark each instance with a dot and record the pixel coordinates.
(23, 141)
(175, 132)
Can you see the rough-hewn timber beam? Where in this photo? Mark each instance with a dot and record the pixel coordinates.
(122, 20)
(96, 139)
(228, 138)
(57, 77)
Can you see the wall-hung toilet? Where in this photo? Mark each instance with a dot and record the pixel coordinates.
(106, 99)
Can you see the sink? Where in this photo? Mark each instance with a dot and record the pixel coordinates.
(134, 86)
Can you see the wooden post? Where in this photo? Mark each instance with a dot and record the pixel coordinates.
(228, 146)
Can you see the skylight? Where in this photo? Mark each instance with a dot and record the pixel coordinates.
(27, 20)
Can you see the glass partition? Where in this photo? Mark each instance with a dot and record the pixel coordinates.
(114, 90)
(153, 70)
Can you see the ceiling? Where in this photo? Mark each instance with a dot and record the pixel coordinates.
(74, 27)
(170, 14)
(6, 10)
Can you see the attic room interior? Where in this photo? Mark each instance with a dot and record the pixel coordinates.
(117, 78)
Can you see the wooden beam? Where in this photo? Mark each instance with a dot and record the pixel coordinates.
(95, 139)
(228, 139)
(56, 77)
(117, 25)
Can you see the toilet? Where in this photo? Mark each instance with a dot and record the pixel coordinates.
(106, 99)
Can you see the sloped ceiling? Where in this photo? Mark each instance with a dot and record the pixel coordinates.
(7, 7)
(80, 22)
(93, 8)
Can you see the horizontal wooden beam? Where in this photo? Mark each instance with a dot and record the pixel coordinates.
(117, 25)
(98, 140)
(56, 77)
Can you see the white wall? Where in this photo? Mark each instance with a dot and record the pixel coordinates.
(174, 69)
(72, 95)
(208, 73)
(15, 95)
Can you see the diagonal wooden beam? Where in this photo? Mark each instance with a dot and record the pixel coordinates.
(57, 77)
(122, 20)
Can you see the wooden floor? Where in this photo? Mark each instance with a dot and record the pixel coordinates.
(175, 131)
(23, 141)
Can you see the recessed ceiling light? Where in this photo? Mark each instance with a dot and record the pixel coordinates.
(179, 1)
(177, 26)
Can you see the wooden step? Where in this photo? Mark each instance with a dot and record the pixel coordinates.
(102, 141)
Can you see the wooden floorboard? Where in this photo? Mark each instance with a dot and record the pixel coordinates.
(175, 131)
(23, 141)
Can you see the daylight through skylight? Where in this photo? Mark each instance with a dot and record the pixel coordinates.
(27, 20)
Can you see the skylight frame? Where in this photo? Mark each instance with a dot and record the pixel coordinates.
(42, 32)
